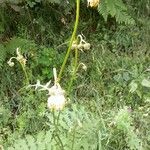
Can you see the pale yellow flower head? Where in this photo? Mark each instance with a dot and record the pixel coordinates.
(93, 3)
(56, 95)
(56, 99)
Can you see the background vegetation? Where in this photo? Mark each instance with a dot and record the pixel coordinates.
(109, 103)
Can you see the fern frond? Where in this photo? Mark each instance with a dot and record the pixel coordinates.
(41, 142)
(117, 9)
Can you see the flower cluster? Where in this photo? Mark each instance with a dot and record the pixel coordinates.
(56, 95)
(83, 45)
(19, 58)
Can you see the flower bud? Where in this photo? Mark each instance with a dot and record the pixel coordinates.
(80, 46)
(10, 63)
(84, 67)
(87, 46)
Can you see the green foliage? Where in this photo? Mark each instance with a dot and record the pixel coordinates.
(2, 56)
(49, 58)
(109, 104)
(117, 9)
(77, 131)
(123, 122)
(42, 141)
(73, 126)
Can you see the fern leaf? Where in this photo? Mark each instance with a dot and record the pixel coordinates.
(103, 10)
(117, 9)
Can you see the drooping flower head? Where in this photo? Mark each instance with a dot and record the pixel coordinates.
(19, 58)
(82, 45)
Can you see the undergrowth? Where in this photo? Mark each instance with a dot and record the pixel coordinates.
(107, 85)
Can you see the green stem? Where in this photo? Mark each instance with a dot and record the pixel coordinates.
(61, 144)
(55, 122)
(53, 113)
(74, 71)
(71, 41)
(58, 117)
(73, 140)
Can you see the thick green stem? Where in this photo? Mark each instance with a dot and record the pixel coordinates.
(56, 135)
(71, 41)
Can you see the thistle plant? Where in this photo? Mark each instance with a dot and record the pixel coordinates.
(22, 60)
(55, 102)
(56, 95)
(56, 99)
(82, 45)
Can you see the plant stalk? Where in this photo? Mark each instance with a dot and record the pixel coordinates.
(55, 123)
(71, 40)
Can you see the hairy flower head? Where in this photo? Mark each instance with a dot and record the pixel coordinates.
(56, 95)
(56, 99)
